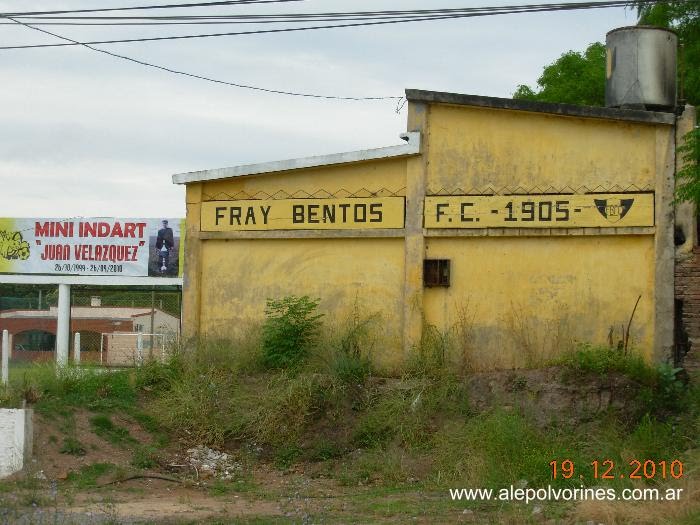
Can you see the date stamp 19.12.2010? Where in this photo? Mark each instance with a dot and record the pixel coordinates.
(608, 469)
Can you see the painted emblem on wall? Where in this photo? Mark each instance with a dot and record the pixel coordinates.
(613, 210)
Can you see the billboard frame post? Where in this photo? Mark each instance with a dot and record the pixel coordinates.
(63, 325)
(76, 348)
(5, 356)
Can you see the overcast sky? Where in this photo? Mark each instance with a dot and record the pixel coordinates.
(84, 134)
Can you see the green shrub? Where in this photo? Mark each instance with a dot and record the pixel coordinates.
(290, 330)
(670, 393)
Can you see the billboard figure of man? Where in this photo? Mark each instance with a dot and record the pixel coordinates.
(164, 243)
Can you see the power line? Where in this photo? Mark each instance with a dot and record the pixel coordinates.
(394, 17)
(201, 77)
(464, 13)
(136, 8)
(390, 12)
(418, 14)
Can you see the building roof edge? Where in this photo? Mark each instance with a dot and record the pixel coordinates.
(571, 110)
(412, 147)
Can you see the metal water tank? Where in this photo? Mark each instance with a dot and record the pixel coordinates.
(641, 68)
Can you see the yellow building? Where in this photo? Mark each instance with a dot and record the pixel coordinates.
(508, 230)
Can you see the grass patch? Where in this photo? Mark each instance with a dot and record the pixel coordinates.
(410, 412)
(73, 447)
(286, 456)
(325, 449)
(103, 426)
(145, 457)
(50, 389)
(663, 391)
(474, 452)
(603, 360)
(88, 475)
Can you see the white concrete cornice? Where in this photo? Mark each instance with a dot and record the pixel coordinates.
(412, 147)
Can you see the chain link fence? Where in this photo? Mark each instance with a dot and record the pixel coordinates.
(118, 326)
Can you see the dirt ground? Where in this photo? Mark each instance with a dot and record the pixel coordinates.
(52, 489)
(269, 497)
(63, 485)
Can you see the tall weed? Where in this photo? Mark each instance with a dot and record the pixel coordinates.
(290, 330)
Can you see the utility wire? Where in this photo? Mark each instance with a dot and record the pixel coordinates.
(300, 17)
(143, 7)
(395, 17)
(201, 77)
(474, 12)
(390, 12)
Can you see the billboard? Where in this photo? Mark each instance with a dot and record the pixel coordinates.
(92, 246)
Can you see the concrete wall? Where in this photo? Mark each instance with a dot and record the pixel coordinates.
(522, 300)
(517, 295)
(16, 434)
(345, 274)
(229, 275)
(532, 293)
(474, 148)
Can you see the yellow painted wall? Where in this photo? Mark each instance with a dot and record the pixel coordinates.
(372, 176)
(514, 301)
(238, 276)
(517, 301)
(530, 297)
(474, 147)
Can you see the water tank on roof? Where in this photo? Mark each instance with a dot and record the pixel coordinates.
(641, 68)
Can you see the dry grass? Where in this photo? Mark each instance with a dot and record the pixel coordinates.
(684, 511)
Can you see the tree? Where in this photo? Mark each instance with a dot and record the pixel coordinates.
(684, 19)
(579, 78)
(688, 177)
(574, 78)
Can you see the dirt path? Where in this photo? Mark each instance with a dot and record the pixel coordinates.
(274, 498)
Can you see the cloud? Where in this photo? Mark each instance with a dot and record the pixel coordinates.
(85, 134)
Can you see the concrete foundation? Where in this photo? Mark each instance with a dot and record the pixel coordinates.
(16, 433)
